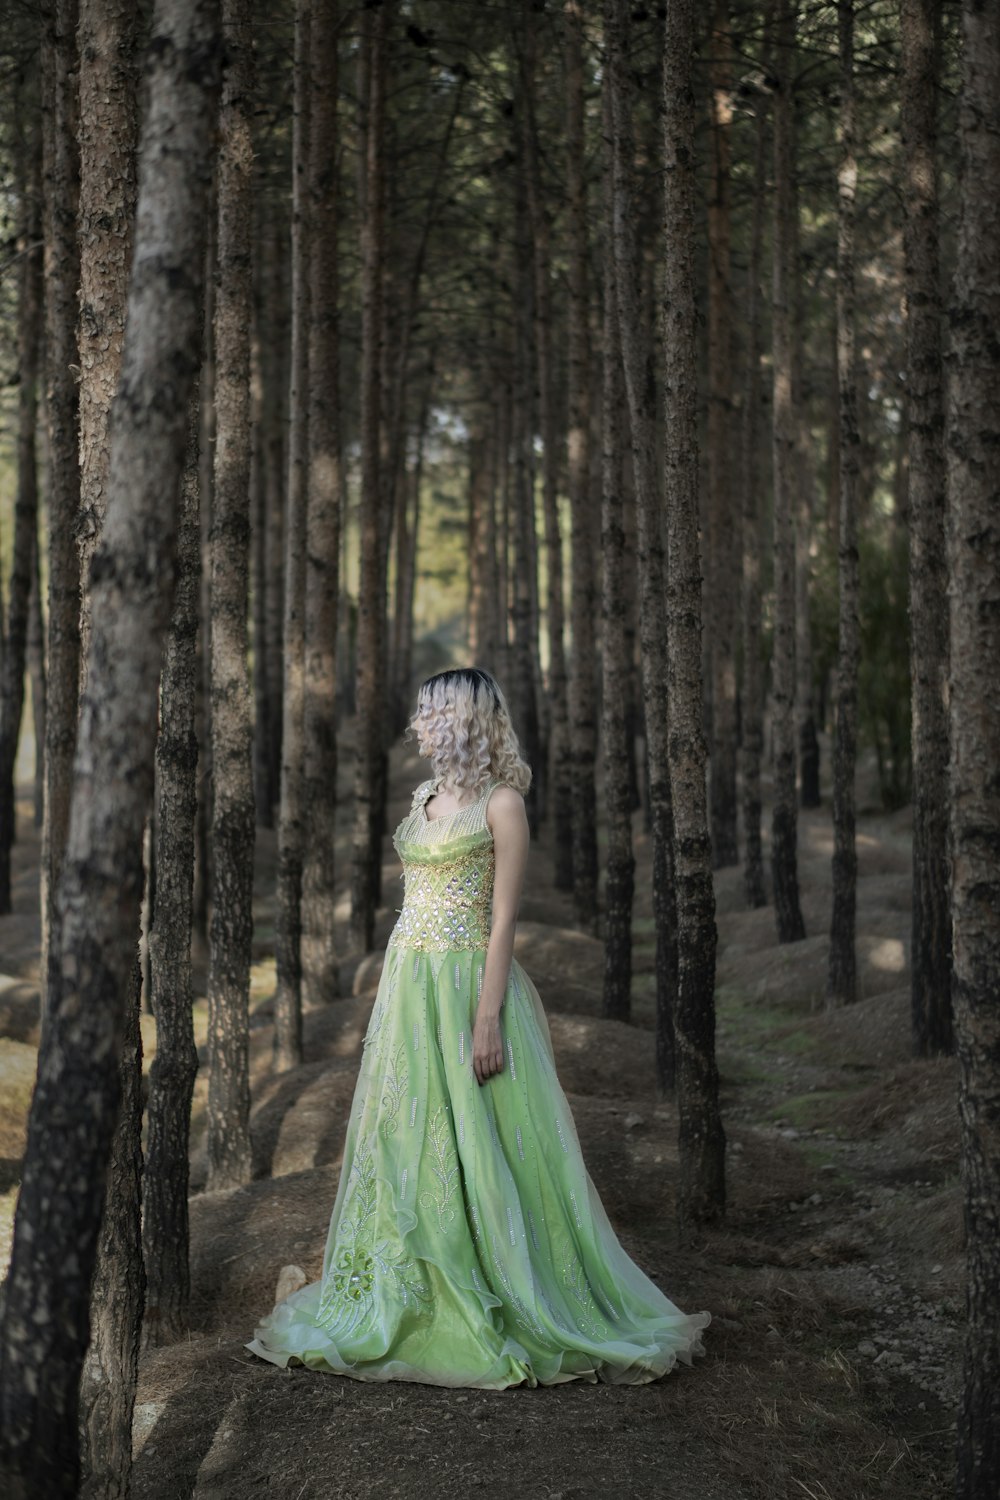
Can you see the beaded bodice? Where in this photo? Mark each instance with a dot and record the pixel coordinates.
(448, 875)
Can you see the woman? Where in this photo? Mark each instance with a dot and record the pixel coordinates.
(468, 1245)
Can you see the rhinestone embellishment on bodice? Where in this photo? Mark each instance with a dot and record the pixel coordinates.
(448, 875)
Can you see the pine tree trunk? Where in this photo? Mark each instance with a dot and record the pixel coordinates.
(107, 135)
(641, 397)
(106, 40)
(784, 817)
(752, 699)
(973, 441)
(804, 490)
(406, 561)
(76, 1100)
(842, 978)
(560, 786)
(931, 932)
(702, 1141)
(583, 579)
(524, 635)
(723, 531)
(62, 271)
(619, 886)
(12, 665)
(291, 835)
(175, 1063)
(274, 366)
(233, 814)
(370, 689)
(322, 584)
(203, 686)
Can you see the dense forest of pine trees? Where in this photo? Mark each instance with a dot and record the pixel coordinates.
(654, 343)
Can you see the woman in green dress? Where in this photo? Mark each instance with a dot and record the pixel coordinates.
(468, 1245)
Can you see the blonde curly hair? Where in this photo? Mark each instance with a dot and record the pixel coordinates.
(468, 731)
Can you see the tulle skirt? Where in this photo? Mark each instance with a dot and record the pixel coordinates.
(468, 1245)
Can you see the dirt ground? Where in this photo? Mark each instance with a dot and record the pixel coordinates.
(836, 1286)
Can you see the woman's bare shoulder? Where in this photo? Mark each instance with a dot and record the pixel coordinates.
(505, 803)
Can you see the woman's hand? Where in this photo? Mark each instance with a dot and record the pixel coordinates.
(487, 1046)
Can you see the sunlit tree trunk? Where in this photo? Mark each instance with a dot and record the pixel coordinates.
(930, 968)
(76, 1099)
(233, 815)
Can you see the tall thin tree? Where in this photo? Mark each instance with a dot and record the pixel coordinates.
(702, 1141)
(322, 582)
(930, 968)
(73, 1110)
(233, 817)
(973, 442)
(784, 814)
(842, 978)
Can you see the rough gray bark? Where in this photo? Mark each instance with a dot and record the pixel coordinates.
(105, 43)
(75, 1103)
(370, 683)
(583, 579)
(973, 443)
(322, 582)
(641, 396)
(275, 363)
(702, 1141)
(291, 836)
(15, 636)
(723, 530)
(233, 815)
(619, 886)
(752, 699)
(842, 978)
(784, 816)
(930, 968)
(107, 136)
(36, 673)
(175, 1064)
(62, 269)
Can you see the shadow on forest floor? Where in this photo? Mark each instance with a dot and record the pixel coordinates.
(835, 1285)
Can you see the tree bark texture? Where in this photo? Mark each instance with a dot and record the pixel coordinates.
(175, 1064)
(76, 1098)
(930, 970)
(36, 673)
(322, 584)
(15, 641)
(233, 814)
(619, 887)
(723, 530)
(370, 688)
(291, 834)
(62, 271)
(973, 443)
(784, 816)
(842, 976)
(641, 397)
(582, 686)
(107, 136)
(752, 698)
(702, 1141)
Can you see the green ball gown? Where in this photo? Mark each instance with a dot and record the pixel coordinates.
(468, 1245)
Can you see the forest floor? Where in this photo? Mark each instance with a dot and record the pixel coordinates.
(835, 1287)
